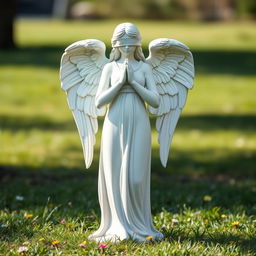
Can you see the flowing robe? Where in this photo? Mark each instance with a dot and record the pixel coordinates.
(124, 171)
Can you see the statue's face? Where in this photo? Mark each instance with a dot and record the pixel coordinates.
(127, 49)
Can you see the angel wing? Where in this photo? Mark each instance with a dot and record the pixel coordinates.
(80, 71)
(173, 71)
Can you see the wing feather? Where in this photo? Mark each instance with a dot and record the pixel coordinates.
(67, 69)
(182, 96)
(80, 71)
(94, 125)
(72, 97)
(173, 72)
(172, 88)
(159, 122)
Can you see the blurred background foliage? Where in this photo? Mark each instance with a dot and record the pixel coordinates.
(214, 146)
(174, 9)
(210, 10)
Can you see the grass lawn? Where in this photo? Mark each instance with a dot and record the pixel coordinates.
(204, 201)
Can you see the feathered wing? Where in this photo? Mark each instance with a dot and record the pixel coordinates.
(80, 71)
(173, 71)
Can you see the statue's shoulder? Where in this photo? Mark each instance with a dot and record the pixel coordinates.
(108, 66)
(146, 67)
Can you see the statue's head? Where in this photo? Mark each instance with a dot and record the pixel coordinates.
(126, 34)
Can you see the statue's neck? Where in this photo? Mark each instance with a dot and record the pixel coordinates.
(129, 58)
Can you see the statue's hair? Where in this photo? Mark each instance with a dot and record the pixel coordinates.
(130, 30)
(127, 29)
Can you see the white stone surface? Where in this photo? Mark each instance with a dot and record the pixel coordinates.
(125, 85)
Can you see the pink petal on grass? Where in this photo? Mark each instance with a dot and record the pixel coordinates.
(22, 249)
(63, 221)
(102, 246)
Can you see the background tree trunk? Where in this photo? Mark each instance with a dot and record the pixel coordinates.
(7, 14)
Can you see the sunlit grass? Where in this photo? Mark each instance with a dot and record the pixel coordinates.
(197, 35)
(213, 150)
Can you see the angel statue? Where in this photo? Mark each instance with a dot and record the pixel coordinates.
(124, 87)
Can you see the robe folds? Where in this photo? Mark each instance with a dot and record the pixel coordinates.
(124, 171)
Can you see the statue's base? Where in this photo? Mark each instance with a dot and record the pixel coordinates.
(115, 238)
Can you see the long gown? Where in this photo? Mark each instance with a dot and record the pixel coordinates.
(124, 171)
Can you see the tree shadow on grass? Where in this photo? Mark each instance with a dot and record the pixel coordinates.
(39, 56)
(211, 122)
(233, 62)
(245, 245)
(39, 122)
(63, 185)
(220, 164)
(74, 193)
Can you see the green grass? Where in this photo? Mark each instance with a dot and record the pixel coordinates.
(213, 151)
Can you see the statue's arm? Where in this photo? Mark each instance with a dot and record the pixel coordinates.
(150, 93)
(106, 92)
